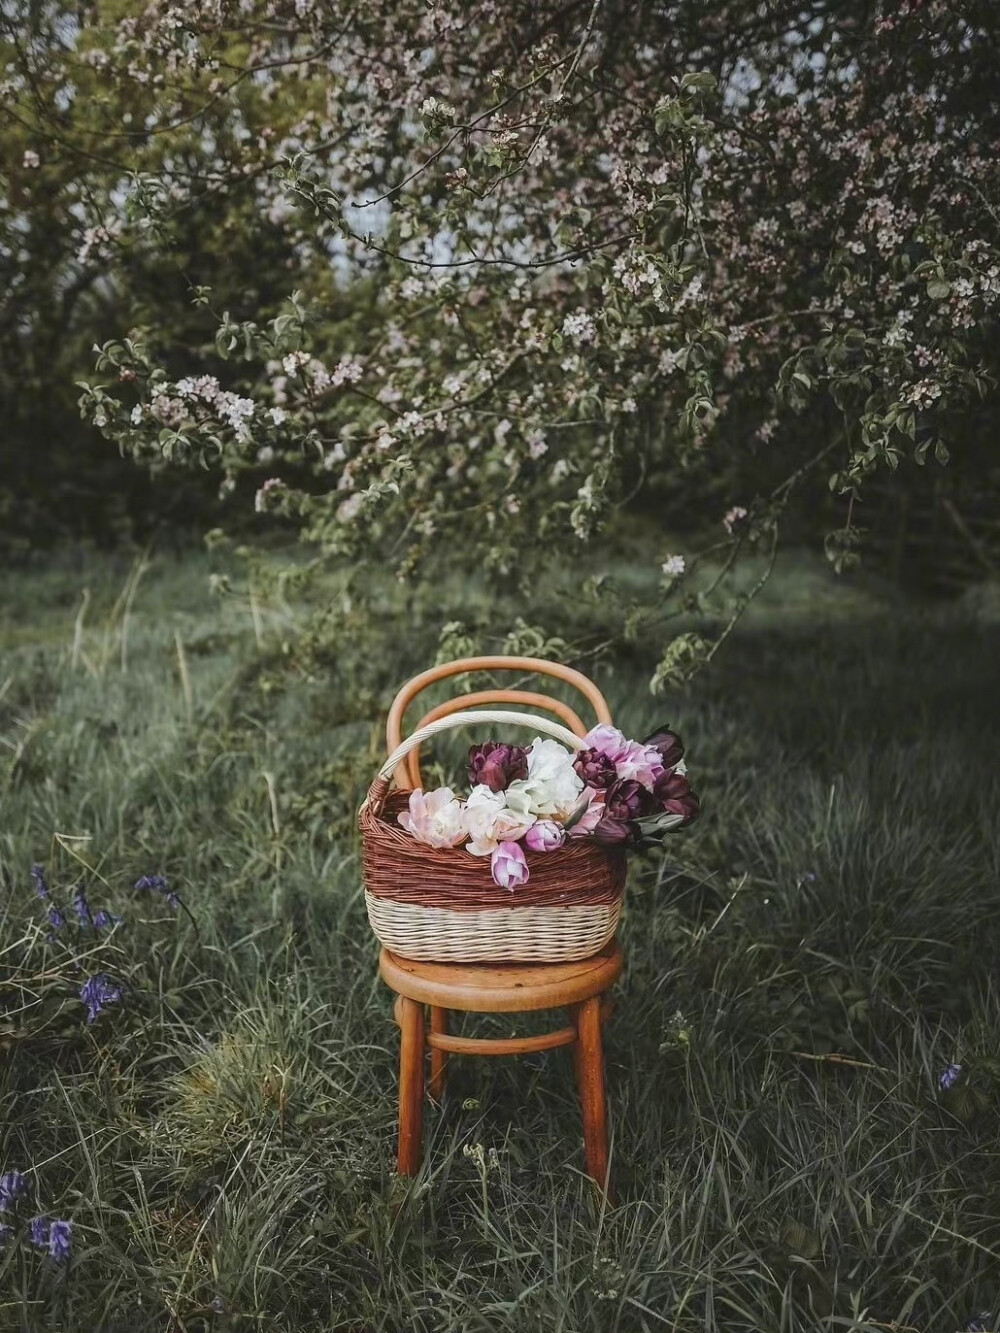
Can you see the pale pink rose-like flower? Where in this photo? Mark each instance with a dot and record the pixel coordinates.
(509, 866)
(545, 835)
(435, 817)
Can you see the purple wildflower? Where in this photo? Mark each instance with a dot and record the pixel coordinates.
(38, 1230)
(983, 1322)
(158, 883)
(60, 1240)
(13, 1186)
(949, 1076)
(57, 918)
(82, 907)
(97, 992)
(103, 919)
(41, 883)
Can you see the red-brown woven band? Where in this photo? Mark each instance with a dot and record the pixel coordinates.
(397, 866)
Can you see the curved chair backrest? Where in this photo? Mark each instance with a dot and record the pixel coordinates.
(410, 768)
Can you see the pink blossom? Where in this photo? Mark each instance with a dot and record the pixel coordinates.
(509, 866)
(435, 817)
(545, 836)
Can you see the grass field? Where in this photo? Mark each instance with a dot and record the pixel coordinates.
(802, 967)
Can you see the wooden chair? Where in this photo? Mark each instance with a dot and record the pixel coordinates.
(496, 988)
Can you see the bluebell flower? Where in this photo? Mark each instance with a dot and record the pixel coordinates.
(82, 907)
(13, 1186)
(38, 1230)
(60, 1240)
(103, 919)
(41, 883)
(981, 1323)
(158, 883)
(949, 1076)
(57, 918)
(97, 992)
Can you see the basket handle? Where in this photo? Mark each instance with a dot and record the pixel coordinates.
(380, 787)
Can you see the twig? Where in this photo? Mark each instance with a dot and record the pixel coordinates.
(835, 1059)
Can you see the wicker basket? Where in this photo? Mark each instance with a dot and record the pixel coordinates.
(425, 903)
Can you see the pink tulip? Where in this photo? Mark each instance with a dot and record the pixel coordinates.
(545, 836)
(591, 817)
(510, 869)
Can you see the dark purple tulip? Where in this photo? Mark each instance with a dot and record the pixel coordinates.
(596, 768)
(613, 832)
(674, 794)
(627, 799)
(496, 765)
(669, 745)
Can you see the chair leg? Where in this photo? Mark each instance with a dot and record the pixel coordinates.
(411, 1086)
(590, 1074)
(439, 1059)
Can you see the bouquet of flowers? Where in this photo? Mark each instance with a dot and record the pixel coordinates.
(620, 792)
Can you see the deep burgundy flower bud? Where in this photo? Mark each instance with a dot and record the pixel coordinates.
(613, 832)
(496, 765)
(673, 793)
(596, 769)
(627, 799)
(669, 745)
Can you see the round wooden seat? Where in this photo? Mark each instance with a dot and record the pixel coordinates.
(505, 988)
